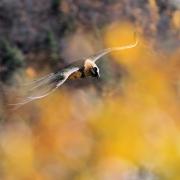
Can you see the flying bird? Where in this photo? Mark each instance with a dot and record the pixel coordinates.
(87, 67)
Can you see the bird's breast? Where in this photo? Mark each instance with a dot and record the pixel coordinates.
(75, 75)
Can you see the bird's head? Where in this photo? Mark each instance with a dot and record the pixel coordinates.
(92, 69)
(95, 72)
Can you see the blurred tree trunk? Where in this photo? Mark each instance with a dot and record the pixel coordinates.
(3, 99)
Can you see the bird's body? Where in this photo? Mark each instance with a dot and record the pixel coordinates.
(78, 69)
(84, 69)
(76, 75)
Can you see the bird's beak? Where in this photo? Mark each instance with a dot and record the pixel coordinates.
(98, 76)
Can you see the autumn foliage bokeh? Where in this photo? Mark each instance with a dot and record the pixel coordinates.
(124, 126)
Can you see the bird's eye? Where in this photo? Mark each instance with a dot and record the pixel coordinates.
(95, 69)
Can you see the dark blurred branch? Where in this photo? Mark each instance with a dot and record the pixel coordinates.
(11, 60)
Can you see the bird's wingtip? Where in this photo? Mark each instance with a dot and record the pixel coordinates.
(136, 40)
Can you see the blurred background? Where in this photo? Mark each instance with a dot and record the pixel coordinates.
(124, 126)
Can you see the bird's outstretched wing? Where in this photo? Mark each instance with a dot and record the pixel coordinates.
(44, 86)
(108, 50)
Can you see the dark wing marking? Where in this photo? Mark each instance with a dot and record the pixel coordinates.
(46, 85)
(108, 50)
